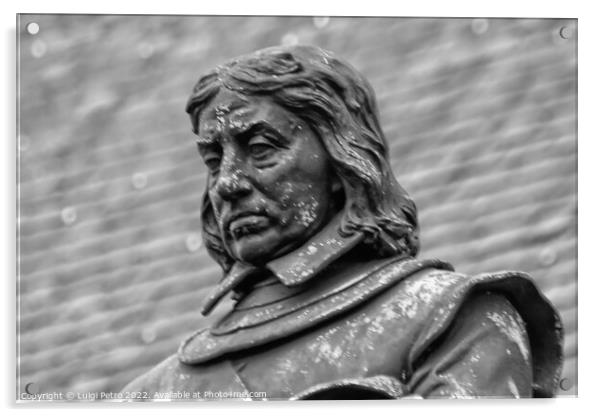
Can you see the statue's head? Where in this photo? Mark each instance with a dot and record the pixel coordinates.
(291, 137)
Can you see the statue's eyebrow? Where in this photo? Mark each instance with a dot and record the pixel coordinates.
(206, 144)
(206, 141)
(248, 130)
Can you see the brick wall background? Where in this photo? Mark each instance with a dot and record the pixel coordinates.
(480, 114)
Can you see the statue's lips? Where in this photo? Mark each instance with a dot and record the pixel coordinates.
(247, 224)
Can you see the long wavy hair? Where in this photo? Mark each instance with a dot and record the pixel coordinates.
(339, 105)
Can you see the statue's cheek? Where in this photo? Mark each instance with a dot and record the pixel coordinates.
(306, 212)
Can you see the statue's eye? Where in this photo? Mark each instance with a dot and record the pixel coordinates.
(213, 161)
(261, 148)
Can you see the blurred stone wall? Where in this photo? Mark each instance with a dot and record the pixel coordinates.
(480, 114)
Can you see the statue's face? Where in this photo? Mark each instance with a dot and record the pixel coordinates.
(270, 181)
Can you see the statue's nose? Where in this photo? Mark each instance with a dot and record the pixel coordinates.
(232, 182)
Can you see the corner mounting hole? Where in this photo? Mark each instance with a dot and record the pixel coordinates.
(33, 28)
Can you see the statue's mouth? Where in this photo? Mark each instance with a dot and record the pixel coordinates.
(247, 224)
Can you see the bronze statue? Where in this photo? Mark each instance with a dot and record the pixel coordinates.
(317, 241)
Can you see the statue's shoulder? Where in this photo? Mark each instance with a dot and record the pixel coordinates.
(428, 301)
(438, 290)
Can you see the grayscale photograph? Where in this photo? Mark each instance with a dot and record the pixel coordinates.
(275, 208)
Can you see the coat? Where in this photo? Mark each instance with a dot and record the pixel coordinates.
(385, 328)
